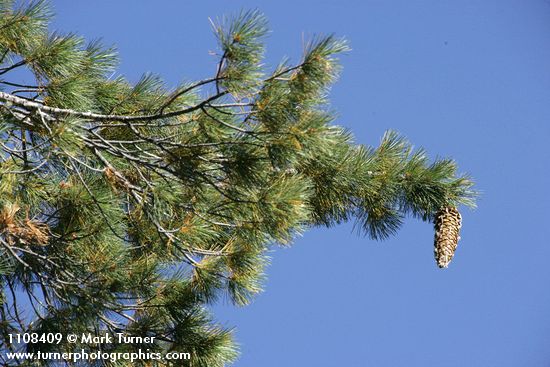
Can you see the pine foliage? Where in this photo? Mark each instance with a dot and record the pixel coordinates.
(131, 208)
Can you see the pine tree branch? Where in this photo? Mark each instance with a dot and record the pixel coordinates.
(34, 87)
(178, 94)
(11, 67)
(21, 102)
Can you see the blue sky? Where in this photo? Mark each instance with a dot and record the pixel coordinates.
(465, 79)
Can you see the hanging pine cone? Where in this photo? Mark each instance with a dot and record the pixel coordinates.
(447, 224)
